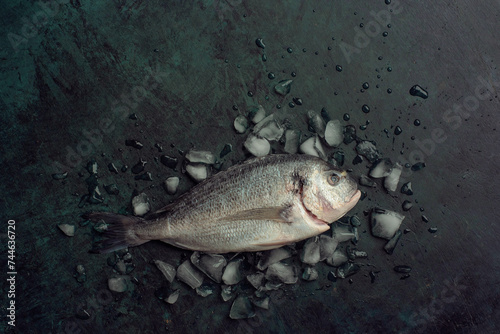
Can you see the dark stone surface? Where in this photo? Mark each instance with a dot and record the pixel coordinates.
(69, 85)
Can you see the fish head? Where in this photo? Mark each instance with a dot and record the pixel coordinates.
(329, 194)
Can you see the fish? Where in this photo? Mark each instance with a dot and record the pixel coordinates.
(260, 204)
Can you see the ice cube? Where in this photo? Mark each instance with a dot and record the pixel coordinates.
(211, 265)
(232, 274)
(241, 308)
(327, 246)
(117, 284)
(273, 256)
(166, 269)
(310, 253)
(171, 184)
(256, 279)
(283, 87)
(381, 168)
(188, 274)
(312, 146)
(204, 157)
(262, 303)
(226, 292)
(334, 135)
(342, 232)
(67, 229)
(257, 114)
(198, 172)
(338, 257)
(269, 129)
(316, 123)
(391, 181)
(347, 269)
(385, 223)
(204, 290)
(366, 181)
(368, 150)
(140, 203)
(172, 298)
(240, 124)
(282, 272)
(257, 146)
(310, 274)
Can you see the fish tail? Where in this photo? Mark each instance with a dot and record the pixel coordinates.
(120, 232)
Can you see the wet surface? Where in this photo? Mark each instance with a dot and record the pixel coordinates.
(138, 84)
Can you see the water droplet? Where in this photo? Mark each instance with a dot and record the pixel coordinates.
(338, 68)
(389, 91)
(362, 127)
(264, 57)
(416, 122)
(366, 85)
(365, 108)
(291, 104)
(387, 2)
(389, 69)
(361, 25)
(347, 117)
(397, 130)
(271, 75)
(260, 43)
(316, 53)
(304, 50)
(289, 50)
(235, 107)
(329, 48)
(419, 91)
(385, 33)
(380, 58)
(293, 74)
(250, 93)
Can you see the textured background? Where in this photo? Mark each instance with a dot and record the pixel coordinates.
(73, 71)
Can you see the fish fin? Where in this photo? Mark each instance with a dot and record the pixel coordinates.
(160, 212)
(119, 233)
(274, 244)
(278, 214)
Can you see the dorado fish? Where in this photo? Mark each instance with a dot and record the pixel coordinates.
(261, 204)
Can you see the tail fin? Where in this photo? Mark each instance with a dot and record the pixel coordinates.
(119, 233)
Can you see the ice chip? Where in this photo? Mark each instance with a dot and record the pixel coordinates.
(368, 150)
(272, 256)
(327, 246)
(316, 123)
(310, 274)
(381, 168)
(391, 181)
(256, 279)
(171, 184)
(283, 87)
(118, 284)
(166, 269)
(67, 229)
(198, 172)
(334, 135)
(312, 146)
(283, 273)
(188, 274)
(311, 252)
(140, 203)
(385, 223)
(257, 146)
(241, 308)
(240, 124)
(338, 258)
(232, 274)
(204, 157)
(211, 265)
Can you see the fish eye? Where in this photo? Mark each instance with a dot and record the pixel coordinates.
(334, 179)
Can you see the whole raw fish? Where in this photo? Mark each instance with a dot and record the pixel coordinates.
(261, 204)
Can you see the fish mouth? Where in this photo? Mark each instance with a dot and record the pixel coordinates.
(354, 197)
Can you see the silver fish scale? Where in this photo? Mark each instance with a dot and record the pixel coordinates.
(196, 219)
